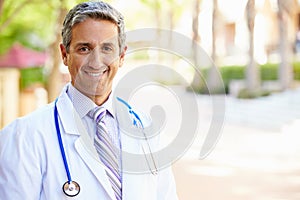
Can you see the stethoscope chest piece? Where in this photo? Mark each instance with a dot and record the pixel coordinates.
(71, 189)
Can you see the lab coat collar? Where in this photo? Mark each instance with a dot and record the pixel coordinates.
(108, 104)
(67, 113)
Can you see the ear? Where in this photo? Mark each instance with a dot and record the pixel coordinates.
(122, 56)
(63, 52)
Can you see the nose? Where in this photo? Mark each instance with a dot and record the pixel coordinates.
(95, 59)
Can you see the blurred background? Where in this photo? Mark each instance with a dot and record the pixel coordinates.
(254, 44)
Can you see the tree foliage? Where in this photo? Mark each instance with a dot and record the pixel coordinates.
(29, 22)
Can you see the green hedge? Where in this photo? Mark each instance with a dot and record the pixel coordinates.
(297, 71)
(267, 72)
(229, 73)
(32, 76)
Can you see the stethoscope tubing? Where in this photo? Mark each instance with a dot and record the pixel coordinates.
(132, 112)
(61, 145)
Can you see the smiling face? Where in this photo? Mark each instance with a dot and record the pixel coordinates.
(93, 58)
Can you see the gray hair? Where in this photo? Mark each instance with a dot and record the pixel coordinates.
(94, 10)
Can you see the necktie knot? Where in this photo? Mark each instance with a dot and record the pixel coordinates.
(97, 114)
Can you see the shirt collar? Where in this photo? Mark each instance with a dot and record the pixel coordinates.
(83, 104)
(108, 105)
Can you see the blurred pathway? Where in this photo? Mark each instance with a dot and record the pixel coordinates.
(256, 158)
(268, 113)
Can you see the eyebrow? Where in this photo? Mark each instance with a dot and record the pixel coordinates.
(109, 43)
(90, 44)
(82, 44)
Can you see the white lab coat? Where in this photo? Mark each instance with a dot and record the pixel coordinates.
(31, 165)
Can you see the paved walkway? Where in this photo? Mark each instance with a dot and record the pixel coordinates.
(256, 158)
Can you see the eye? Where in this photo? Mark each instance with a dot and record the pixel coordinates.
(84, 50)
(107, 49)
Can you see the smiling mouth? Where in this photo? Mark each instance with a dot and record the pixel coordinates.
(97, 74)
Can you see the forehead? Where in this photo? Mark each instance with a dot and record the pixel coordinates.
(95, 30)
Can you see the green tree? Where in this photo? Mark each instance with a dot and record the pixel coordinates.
(155, 5)
(36, 24)
(28, 22)
(54, 78)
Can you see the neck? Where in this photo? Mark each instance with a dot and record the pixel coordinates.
(97, 99)
(100, 99)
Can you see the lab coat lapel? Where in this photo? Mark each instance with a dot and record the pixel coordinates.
(95, 166)
(84, 146)
(131, 136)
(126, 127)
(136, 185)
(128, 145)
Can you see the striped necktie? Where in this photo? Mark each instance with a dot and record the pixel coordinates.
(108, 153)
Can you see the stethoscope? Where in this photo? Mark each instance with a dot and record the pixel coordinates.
(71, 188)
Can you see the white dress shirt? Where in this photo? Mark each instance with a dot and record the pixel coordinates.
(82, 104)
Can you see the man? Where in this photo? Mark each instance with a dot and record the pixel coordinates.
(74, 147)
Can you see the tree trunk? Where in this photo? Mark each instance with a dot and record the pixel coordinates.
(214, 82)
(215, 22)
(197, 80)
(252, 72)
(285, 73)
(1, 6)
(55, 77)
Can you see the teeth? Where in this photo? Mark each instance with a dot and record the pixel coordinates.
(93, 74)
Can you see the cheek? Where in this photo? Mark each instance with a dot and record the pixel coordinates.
(111, 59)
(73, 66)
(71, 70)
(75, 62)
(115, 66)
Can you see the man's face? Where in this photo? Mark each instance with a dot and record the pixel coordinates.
(94, 57)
